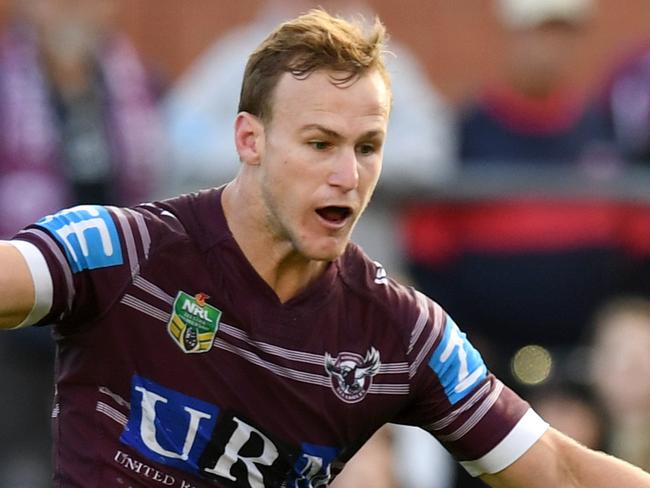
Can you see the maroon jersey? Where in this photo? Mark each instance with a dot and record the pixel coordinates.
(178, 365)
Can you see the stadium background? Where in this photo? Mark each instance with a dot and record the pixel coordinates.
(459, 41)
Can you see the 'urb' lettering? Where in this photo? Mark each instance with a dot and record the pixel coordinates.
(232, 454)
(181, 431)
(167, 426)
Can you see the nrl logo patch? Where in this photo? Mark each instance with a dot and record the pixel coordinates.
(351, 374)
(194, 322)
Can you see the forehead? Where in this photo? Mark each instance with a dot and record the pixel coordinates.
(317, 94)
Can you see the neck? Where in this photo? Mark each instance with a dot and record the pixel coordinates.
(274, 259)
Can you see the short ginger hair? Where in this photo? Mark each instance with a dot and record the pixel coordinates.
(311, 42)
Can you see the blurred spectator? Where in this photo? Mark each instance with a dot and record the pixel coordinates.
(517, 270)
(79, 125)
(200, 108)
(399, 456)
(534, 115)
(79, 122)
(627, 100)
(573, 410)
(621, 376)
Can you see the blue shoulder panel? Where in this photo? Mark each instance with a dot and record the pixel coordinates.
(457, 363)
(88, 236)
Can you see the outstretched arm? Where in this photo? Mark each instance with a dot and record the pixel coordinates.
(558, 461)
(16, 287)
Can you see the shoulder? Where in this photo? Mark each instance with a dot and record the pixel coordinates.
(196, 217)
(89, 253)
(404, 308)
(367, 277)
(98, 236)
(93, 236)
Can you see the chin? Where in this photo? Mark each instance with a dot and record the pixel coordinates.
(328, 252)
(325, 255)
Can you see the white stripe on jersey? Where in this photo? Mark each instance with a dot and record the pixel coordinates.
(390, 388)
(293, 374)
(420, 322)
(43, 287)
(129, 240)
(298, 356)
(428, 345)
(304, 357)
(64, 266)
(444, 422)
(476, 417)
(527, 431)
(145, 308)
(149, 287)
(109, 411)
(114, 396)
(393, 368)
(301, 356)
(144, 232)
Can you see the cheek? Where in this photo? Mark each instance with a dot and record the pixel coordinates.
(287, 187)
(369, 175)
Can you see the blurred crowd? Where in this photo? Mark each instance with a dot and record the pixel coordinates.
(491, 207)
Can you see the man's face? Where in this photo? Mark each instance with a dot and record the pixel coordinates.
(543, 55)
(321, 158)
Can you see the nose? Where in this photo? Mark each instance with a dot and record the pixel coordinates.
(345, 171)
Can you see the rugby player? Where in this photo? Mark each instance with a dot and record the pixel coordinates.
(236, 338)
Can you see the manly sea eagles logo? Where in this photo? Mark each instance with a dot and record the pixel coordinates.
(351, 375)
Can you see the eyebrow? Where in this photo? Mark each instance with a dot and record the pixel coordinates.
(332, 133)
(320, 128)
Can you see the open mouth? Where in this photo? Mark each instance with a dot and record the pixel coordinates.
(334, 214)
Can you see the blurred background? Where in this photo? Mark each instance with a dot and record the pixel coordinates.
(515, 190)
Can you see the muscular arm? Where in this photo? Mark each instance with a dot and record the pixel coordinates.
(558, 461)
(16, 287)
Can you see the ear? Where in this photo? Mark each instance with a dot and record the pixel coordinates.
(249, 138)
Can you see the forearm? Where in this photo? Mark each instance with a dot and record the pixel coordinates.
(16, 287)
(559, 462)
(590, 469)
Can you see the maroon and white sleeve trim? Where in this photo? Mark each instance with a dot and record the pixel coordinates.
(43, 288)
(521, 438)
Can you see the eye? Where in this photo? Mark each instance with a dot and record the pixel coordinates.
(320, 145)
(366, 149)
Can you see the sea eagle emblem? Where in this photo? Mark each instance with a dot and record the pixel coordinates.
(351, 374)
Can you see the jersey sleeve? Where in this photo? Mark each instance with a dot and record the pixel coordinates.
(478, 419)
(81, 260)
